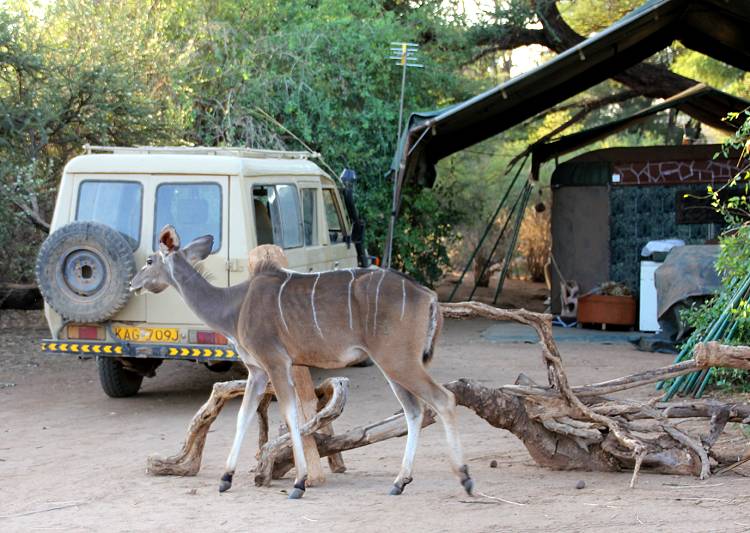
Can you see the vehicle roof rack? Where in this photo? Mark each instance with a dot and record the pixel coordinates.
(202, 150)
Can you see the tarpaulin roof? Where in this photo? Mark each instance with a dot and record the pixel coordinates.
(718, 28)
(701, 102)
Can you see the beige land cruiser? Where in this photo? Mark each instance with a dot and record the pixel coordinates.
(111, 205)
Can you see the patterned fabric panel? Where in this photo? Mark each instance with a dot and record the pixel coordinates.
(641, 214)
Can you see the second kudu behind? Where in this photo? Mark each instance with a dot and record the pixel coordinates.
(279, 318)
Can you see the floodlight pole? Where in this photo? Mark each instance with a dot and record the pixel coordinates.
(404, 54)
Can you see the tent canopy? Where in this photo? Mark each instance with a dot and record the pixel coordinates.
(718, 28)
(701, 102)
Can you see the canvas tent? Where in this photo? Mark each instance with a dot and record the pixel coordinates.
(608, 204)
(588, 247)
(717, 28)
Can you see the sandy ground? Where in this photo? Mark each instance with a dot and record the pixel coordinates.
(64, 444)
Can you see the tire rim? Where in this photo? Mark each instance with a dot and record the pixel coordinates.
(83, 272)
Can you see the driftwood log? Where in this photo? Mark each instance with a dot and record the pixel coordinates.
(563, 427)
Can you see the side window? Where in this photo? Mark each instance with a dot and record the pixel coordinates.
(114, 203)
(194, 209)
(310, 216)
(277, 215)
(333, 216)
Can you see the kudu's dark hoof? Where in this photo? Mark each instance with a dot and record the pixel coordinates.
(468, 486)
(226, 482)
(466, 481)
(296, 494)
(398, 487)
(298, 490)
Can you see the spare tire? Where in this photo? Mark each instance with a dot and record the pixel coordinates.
(84, 270)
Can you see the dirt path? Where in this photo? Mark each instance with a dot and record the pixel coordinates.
(64, 444)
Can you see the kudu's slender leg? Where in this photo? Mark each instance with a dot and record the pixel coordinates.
(419, 383)
(414, 413)
(257, 380)
(281, 378)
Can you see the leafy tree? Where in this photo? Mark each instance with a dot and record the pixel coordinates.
(222, 73)
(61, 87)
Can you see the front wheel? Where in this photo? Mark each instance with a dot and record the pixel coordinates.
(116, 381)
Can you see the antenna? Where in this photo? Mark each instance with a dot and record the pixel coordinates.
(405, 55)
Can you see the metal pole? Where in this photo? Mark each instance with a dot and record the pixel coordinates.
(512, 247)
(401, 104)
(486, 231)
(494, 247)
(394, 199)
(406, 55)
(391, 223)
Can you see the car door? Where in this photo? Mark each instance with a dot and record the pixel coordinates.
(195, 206)
(117, 201)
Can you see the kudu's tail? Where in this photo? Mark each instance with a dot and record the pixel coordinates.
(433, 329)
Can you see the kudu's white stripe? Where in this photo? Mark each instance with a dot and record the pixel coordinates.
(377, 297)
(351, 324)
(312, 303)
(403, 298)
(367, 301)
(281, 289)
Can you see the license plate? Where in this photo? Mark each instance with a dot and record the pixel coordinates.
(132, 334)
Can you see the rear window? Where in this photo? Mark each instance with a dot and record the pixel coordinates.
(194, 209)
(114, 203)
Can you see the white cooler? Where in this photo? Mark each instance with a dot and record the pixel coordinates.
(647, 310)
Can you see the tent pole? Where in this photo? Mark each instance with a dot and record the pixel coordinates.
(497, 242)
(486, 231)
(512, 247)
(398, 181)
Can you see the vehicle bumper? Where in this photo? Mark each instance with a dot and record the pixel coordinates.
(186, 352)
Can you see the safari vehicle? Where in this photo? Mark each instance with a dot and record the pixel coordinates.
(111, 205)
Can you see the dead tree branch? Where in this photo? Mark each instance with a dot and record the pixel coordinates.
(562, 427)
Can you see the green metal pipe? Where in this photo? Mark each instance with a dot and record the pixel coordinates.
(715, 330)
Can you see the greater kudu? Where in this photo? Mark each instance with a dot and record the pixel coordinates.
(279, 318)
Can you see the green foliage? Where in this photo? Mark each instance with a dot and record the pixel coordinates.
(63, 85)
(733, 266)
(213, 73)
(195, 72)
(323, 74)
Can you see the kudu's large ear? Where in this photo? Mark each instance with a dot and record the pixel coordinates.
(169, 241)
(199, 249)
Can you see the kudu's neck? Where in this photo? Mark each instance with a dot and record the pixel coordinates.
(217, 307)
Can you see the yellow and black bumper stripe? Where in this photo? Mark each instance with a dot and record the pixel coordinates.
(126, 349)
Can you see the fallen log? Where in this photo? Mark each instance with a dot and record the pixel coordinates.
(563, 427)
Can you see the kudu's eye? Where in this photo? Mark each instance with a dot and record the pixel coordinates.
(149, 261)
